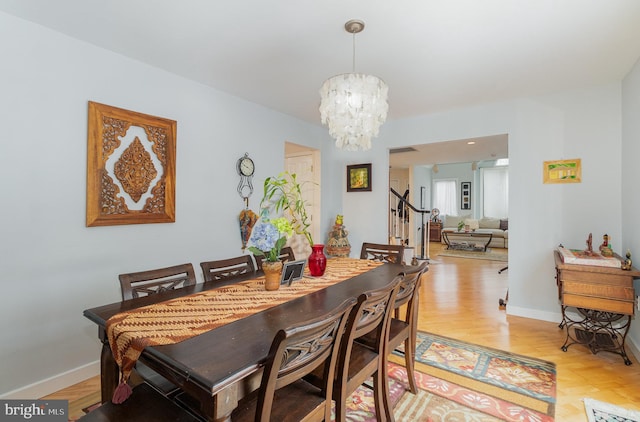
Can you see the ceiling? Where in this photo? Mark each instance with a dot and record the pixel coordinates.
(435, 55)
(487, 148)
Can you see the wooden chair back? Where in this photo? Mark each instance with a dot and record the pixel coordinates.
(381, 252)
(357, 363)
(406, 329)
(409, 287)
(149, 282)
(230, 268)
(286, 255)
(295, 352)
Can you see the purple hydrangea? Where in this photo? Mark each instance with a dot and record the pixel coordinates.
(264, 236)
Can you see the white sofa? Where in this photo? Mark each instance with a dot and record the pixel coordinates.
(499, 228)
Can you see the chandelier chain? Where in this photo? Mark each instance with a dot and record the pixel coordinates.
(354, 53)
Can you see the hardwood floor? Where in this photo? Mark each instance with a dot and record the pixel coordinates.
(459, 299)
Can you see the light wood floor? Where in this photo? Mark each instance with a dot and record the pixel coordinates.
(459, 299)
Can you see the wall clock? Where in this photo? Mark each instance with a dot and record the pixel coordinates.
(246, 168)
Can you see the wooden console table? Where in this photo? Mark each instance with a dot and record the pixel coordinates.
(605, 300)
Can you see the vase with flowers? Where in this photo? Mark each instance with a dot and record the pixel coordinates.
(267, 239)
(284, 194)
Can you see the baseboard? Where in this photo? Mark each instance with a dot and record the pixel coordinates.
(57, 382)
(631, 346)
(534, 314)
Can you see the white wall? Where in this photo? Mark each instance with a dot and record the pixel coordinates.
(631, 176)
(52, 266)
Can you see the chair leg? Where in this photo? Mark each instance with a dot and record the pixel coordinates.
(409, 359)
(340, 400)
(380, 399)
(384, 409)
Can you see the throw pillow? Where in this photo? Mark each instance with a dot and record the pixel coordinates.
(504, 224)
(489, 223)
(472, 223)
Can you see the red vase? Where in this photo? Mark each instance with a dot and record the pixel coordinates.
(317, 260)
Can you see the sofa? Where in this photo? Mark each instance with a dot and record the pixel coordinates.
(499, 228)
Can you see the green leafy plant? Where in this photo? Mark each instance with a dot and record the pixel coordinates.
(460, 225)
(284, 194)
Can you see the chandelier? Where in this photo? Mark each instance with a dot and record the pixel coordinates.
(353, 105)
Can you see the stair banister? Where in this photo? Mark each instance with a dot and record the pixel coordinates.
(424, 238)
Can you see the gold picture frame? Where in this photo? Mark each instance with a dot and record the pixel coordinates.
(562, 171)
(131, 165)
(359, 178)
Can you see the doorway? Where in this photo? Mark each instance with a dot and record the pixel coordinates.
(305, 163)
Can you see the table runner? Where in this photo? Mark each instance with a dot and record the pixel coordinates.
(182, 318)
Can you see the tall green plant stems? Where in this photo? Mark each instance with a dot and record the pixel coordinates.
(284, 193)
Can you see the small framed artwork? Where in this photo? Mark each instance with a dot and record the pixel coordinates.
(465, 195)
(359, 178)
(292, 271)
(562, 171)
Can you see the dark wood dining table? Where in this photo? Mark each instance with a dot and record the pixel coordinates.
(218, 367)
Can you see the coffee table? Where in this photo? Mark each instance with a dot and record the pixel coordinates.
(453, 240)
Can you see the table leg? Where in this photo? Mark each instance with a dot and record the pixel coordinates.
(109, 370)
(216, 408)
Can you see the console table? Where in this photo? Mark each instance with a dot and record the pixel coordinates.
(605, 300)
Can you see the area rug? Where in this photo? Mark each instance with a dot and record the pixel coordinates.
(598, 411)
(460, 381)
(489, 255)
(468, 382)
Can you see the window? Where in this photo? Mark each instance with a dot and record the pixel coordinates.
(444, 196)
(495, 192)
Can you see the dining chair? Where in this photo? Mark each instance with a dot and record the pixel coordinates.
(286, 255)
(382, 252)
(225, 269)
(283, 394)
(149, 282)
(144, 405)
(144, 283)
(404, 329)
(356, 362)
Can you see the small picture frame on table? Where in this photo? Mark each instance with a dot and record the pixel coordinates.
(359, 178)
(292, 271)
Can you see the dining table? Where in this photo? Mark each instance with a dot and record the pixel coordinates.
(216, 368)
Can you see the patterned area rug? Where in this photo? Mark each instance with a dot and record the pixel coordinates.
(460, 381)
(489, 255)
(598, 411)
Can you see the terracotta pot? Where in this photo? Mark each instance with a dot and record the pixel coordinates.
(317, 260)
(272, 274)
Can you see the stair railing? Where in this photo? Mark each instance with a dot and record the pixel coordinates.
(399, 217)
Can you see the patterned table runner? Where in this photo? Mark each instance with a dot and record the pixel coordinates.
(182, 318)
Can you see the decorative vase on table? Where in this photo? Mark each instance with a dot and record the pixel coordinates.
(317, 260)
(272, 274)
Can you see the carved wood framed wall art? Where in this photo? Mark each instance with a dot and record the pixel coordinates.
(131, 165)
